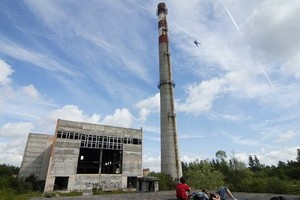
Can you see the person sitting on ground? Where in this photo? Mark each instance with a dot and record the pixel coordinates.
(182, 190)
(221, 194)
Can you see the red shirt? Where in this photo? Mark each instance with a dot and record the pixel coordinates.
(181, 189)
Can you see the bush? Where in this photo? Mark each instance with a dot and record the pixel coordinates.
(13, 188)
(203, 175)
(257, 185)
(7, 182)
(296, 188)
(166, 183)
(7, 194)
(277, 186)
(23, 187)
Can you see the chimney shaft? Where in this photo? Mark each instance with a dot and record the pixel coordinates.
(170, 156)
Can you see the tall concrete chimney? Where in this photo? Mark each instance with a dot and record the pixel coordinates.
(170, 156)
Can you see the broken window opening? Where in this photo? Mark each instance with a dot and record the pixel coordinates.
(111, 162)
(88, 161)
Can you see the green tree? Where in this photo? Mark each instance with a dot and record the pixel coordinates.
(298, 156)
(8, 170)
(201, 174)
(254, 164)
(221, 155)
(283, 178)
(251, 163)
(184, 167)
(238, 172)
(235, 164)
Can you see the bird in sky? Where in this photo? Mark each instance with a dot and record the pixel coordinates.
(197, 43)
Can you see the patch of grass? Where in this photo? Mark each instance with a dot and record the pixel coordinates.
(9, 194)
(73, 193)
(62, 194)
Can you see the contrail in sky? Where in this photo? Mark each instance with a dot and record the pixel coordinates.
(232, 19)
(261, 68)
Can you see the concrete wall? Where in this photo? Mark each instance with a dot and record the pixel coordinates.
(132, 160)
(65, 153)
(63, 162)
(87, 128)
(104, 182)
(36, 156)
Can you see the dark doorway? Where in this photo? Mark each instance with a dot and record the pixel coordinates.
(131, 181)
(61, 183)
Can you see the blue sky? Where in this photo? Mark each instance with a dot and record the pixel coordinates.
(97, 61)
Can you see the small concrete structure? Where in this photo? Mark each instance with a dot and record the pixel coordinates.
(147, 184)
(82, 156)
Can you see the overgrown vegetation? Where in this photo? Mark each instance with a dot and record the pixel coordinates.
(12, 187)
(211, 174)
(166, 182)
(256, 177)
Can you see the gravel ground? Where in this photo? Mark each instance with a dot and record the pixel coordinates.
(169, 195)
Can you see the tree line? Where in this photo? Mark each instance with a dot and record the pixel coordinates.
(210, 174)
(12, 187)
(254, 177)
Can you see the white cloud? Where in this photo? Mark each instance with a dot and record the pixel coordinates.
(152, 129)
(121, 117)
(236, 56)
(47, 122)
(104, 33)
(12, 142)
(271, 157)
(149, 105)
(73, 113)
(31, 91)
(200, 97)
(286, 136)
(284, 154)
(38, 59)
(246, 83)
(291, 67)
(236, 117)
(21, 102)
(153, 163)
(143, 114)
(272, 30)
(12, 152)
(190, 136)
(243, 141)
(189, 159)
(17, 129)
(5, 72)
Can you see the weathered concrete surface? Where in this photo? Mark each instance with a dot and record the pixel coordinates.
(36, 156)
(169, 195)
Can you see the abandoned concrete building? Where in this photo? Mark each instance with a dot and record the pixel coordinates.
(83, 156)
